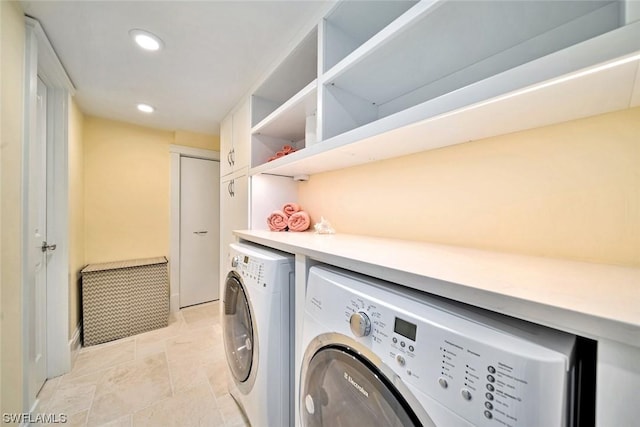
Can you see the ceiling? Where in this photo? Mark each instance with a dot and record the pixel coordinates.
(214, 52)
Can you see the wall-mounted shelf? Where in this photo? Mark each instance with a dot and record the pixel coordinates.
(288, 121)
(447, 120)
(438, 47)
(395, 79)
(352, 23)
(294, 73)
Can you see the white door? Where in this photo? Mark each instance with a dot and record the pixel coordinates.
(199, 230)
(38, 254)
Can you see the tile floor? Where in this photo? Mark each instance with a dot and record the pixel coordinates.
(174, 376)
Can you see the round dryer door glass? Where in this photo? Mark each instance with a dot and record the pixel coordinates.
(238, 332)
(344, 389)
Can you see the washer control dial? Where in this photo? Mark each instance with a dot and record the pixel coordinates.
(360, 324)
(235, 261)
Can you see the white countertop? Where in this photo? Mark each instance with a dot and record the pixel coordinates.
(593, 300)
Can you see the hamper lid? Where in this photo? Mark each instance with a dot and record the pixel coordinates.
(123, 264)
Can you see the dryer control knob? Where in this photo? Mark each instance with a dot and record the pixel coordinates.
(235, 261)
(360, 324)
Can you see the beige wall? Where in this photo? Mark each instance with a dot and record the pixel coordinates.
(76, 212)
(570, 190)
(126, 191)
(12, 33)
(197, 140)
(127, 188)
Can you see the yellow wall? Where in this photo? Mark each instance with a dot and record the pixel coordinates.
(127, 188)
(76, 212)
(197, 140)
(12, 32)
(570, 190)
(126, 191)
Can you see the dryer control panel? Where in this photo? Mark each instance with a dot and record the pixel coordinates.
(260, 267)
(489, 369)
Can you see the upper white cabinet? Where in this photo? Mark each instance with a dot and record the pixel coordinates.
(379, 79)
(226, 144)
(234, 139)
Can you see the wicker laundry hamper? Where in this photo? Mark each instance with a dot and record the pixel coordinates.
(124, 298)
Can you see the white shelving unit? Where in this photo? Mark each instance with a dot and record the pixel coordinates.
(535, 64)
(283, 101)
(350, 24)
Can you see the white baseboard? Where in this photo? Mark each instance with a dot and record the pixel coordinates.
(74, 344)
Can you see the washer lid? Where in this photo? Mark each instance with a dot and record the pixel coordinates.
(342, 388)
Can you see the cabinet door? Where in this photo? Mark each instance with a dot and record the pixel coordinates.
(234, 215)
(242, 135)
(226, 144)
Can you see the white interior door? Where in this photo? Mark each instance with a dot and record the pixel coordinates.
(38, 253)
(199, 230)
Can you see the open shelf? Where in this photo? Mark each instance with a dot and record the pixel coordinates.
(436, 48)
(608, 86)
(296, 72)
(285, 126)
(351, 23)
(288, 121)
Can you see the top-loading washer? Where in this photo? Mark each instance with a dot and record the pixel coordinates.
(379, 354)
(257, 332)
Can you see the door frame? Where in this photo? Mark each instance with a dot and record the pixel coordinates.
(42, 61)
(176, 152)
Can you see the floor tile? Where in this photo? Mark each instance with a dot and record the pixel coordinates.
(71, 400)
(231, 412)
(130, 387)
(105, 356)
(200, 343)
(194, 407)
(217, 373)
(175, 375)
(201, 315)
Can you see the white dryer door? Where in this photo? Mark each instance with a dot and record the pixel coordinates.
(238, 329)
(343, 388)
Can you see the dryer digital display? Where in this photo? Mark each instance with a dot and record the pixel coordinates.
(404, 328)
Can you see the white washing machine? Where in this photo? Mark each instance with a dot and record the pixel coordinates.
(257, 333)
(378, 354)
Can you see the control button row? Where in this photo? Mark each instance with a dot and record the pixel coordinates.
(402, 344)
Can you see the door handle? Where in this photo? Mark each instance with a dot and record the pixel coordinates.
(229, 188)
(200, 232)
(46, 247)
(229, 158)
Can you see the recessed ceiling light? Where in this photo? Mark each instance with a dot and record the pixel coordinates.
(145, 108)
(146, 40)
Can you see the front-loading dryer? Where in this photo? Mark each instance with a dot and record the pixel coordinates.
(379, 354)
(257, 332)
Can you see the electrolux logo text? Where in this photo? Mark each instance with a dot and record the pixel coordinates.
(356, 385)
